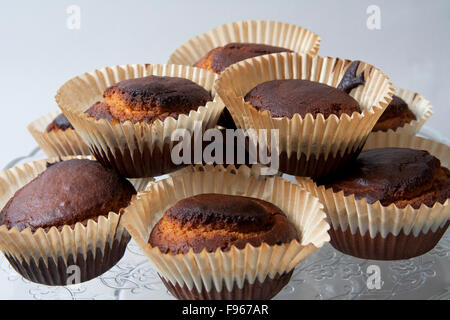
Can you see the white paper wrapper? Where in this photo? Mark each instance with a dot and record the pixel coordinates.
(271, 33)
(58, 143)
(43, 256)
(221, 271)
(389, 225)
(135, 150)
(421, 108)
(307, 146)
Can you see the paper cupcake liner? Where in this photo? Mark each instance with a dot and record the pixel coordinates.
(307, 146)
(218, 274)
(421, 108)
(135, 150)
(374, 231)
(271, 33)
(55, 256)
(58, 143)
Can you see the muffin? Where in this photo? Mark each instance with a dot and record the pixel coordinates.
(391, 203)
(59, 123)
(225, 233)
(237, 41)
(219, 221)
(406, 114)
(62, 215)
(149, 99)
(127, 114)
(56, 136)
(396, 115)
(401, 176)
(220, 58)
(323, 109)
(285, 98)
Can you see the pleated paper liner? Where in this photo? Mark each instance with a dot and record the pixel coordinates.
(272, 33)
(65, 256)
(141, 149)
(307, 146)
(373, 231)
(236, 274)
(421, 108)
(58, 143)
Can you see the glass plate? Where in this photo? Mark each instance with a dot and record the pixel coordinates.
(326, 274)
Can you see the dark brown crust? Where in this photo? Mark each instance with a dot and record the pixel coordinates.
(284, 98)
(396, 115)
(59, 123)
(265, 290)
(55, 273)
(153, 97)
(390, 248)
(66, 193)
(99, 110)
(218, 59)
(394, 175)
(213, 221)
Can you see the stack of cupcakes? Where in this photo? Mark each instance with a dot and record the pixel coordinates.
(227, 232)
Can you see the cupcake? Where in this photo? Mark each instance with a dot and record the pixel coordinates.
(56, 136)
(322, 109)
(215, 233)
(127, 114)
(60, 222)
(246, 39)
(391, 203)
(218, 59)
(60, 123)
(237, 41)
(406, 113)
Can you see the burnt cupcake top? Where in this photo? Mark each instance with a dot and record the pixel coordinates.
(150, 98)
(219, 221)
(59, 123)
(284, 98)
(394, 175)
(67, 192)
(396, 115)
(218, 59)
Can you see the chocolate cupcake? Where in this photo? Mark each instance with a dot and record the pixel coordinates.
(323, 109)
(56, 136)
(218, 59)
(219, 221)
(61, 219)
(149, 99)
(237, 41)
(406, 114)
(285, 98)
(221, 236)
(396, 115)
(130, 126)
(391, 202)
(59, 123)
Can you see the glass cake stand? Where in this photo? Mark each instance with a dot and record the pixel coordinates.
(326, 274)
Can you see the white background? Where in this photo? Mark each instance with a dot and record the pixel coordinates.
(38, 52)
